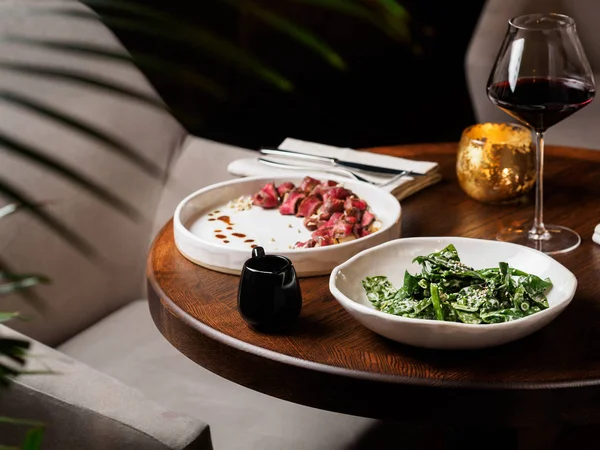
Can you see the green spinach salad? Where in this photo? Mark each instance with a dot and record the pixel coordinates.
(446, 289)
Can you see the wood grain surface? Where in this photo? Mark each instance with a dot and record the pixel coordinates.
(332, 362)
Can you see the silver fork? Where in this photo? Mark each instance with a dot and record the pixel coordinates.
(348, 173)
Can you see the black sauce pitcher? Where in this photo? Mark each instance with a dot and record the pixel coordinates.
(269, 295)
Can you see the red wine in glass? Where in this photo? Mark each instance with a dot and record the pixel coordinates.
(541, 102)
(540, 77)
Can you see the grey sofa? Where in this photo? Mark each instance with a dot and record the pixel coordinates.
(579, 130)
(118, 383)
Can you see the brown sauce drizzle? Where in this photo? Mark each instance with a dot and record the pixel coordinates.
(249, 240)
(230, 228)
(218, 231)
(226, 242)
(220, 236)
(211, 220)
(253, 246)
(217, 211)
(225, 219)
(240, 235)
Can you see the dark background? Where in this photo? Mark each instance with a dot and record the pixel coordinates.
(390, 93)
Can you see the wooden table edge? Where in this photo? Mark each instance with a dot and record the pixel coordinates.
(158, 299)
(420, 150)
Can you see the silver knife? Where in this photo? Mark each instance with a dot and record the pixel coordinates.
(335, 161)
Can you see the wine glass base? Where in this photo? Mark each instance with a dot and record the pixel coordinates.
(558, 240)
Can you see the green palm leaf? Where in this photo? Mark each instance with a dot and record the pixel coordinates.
(296, 32)
(391, 17)
(26, 422)
(29, 295)
(24, 282)
(14, 349)
(350, 8)
(394, 8)
(11, 276)
(6, 316)
(33, 437)
(179, 31)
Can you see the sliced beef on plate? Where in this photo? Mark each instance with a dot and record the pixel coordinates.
(332, 205)
(367, 219)
(308, 184)
(342, 229)
(333, 213)
(337, 192)
(309, 206)
(308, 244)
(334, 218)
(291, 201)
(355, 202)
(267, 197)
(284, 188)
(312, 222)
(320, 191)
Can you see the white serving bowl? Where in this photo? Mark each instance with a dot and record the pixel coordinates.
(195, 235)
(393, 258)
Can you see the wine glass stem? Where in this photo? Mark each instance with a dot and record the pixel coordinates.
(538, 232)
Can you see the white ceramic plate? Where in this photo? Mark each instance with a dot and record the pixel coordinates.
(202, 240)
(393, 258)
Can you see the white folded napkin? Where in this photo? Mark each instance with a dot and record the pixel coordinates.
(402, 188)
(596, 235)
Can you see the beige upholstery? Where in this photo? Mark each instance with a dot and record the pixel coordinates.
(127, 346)
(79, 402)
(579, 130)
(201, 163)
(30, 246)
(85, 409)
(82, 408)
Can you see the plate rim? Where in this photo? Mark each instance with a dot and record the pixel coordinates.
(180, 227)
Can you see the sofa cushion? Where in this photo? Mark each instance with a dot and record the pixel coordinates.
(115, 278)
(127, 346)
(82, 408)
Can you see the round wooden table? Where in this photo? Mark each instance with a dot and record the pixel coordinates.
(330, 361)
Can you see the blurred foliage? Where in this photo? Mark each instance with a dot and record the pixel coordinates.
(146, 22)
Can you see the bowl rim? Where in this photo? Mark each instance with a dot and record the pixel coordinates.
(179, 227)
(353, 304)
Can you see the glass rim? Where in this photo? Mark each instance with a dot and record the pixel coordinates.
(483, 140)
(563, 21)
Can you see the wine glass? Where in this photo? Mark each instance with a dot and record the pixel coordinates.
(540, 77)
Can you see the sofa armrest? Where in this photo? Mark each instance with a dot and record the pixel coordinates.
(83, 408)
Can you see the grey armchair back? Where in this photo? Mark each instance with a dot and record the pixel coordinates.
(83, 290)
(81, 407)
